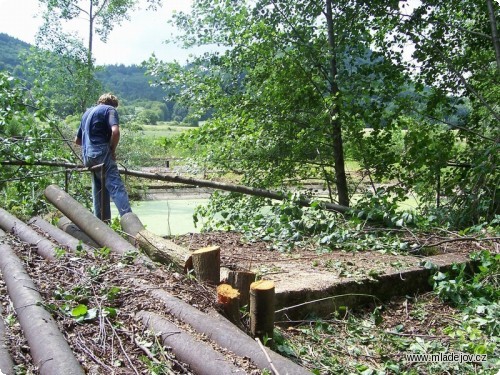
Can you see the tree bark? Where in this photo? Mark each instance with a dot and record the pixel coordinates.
(206, 264)
(12, 224)
(48, 347)
(200, 356)
(86, 221)
(6, 363)
(228, 297)
(335, 122)
(164, 251)
(225, 334)
(262, 302)
(59, 235)
(494, 32)
(242, 280)
(67, 226)
(156, 247)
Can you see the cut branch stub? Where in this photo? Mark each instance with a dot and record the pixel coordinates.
(206, 264)
(262, 301)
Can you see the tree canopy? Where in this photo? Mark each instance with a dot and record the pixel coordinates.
(299, 83)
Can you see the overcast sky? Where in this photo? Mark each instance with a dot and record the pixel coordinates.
(131, 43)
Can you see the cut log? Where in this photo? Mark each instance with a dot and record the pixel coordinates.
(156, 247)
(241, 280)
(262, 301)
(228, 298)
(131, 225)
(202, 358)
(70, 228)
(86, 221)
(224, 333)
(12, 224)
(6, 363)
(164, 251)
(59, 235)
(48, 347)
(206, 264)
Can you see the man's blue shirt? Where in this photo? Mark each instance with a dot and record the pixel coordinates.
(97, 122)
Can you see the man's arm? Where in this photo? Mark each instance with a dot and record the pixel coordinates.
(115, 138)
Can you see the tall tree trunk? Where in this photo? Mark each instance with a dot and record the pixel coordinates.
(335, 122)
(90, 65)
(494, 31)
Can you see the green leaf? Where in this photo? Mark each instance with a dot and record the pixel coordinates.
(109, 311)
(79, 311)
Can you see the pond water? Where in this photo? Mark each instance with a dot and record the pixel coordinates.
(166, 217)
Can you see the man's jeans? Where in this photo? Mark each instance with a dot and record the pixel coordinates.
(114, 186)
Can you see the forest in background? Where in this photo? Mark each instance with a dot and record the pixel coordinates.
(130, 83)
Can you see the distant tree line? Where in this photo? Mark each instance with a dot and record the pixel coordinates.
(141, 101)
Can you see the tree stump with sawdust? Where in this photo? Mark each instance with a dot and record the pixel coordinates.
(228, 298)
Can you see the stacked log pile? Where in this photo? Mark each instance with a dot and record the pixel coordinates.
(219, 329)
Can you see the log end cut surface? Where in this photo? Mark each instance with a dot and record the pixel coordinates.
(262, 285)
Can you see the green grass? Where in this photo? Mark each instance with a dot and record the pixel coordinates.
(166, 129)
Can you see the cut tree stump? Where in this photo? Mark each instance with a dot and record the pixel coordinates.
(228, 297)
(206, 264)
(262, 301)
(241, 280)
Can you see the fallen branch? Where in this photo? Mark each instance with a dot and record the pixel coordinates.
(190, 181)
(488, 239)
(267, 356)
(416, 335)
(121, 346)
(324, 299)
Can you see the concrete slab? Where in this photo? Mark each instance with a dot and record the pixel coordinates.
(315, 285)
(353, 280)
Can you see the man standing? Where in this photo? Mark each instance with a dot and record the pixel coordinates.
(99, 134)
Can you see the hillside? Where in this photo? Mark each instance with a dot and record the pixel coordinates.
(10, 50)
(128, 82)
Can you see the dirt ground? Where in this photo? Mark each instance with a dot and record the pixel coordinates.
(306, 267)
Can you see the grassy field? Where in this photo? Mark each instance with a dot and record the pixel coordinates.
(164, 129)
